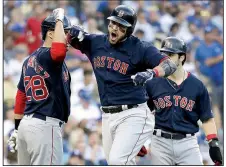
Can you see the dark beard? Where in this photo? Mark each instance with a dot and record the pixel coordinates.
(120, 40)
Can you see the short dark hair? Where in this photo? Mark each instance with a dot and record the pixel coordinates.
(182, 54)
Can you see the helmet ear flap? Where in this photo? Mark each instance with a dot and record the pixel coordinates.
(129, 31)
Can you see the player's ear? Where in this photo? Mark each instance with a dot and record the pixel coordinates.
(182, 58)
(50, 34)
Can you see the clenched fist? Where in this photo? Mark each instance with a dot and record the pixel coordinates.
(58, 14)
(142, 77)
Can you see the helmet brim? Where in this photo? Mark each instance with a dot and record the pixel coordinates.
(120, 21)
(170, 50)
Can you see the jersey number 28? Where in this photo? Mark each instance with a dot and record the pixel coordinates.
(38, 87)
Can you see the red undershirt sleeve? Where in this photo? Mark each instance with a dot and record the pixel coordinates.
(58, 51)
(20, 102)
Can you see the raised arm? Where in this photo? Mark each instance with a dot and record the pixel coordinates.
(59, 48)
(79, 39)
(164, 69)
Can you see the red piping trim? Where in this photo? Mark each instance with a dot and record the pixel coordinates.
(164, 58)
(156, 72)
(51, 161)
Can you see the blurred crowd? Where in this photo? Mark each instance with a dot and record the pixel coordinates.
(198, 23)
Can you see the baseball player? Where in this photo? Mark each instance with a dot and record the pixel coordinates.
(126, 120)
(180, 100)
(43, 97)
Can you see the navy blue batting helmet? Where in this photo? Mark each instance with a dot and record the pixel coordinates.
(125, 16)
(174, 45)
(49, 24)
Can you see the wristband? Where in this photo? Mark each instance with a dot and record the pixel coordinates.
(156, 73)
(211, 136)
(17, 123)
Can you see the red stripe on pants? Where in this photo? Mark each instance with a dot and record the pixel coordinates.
(52, 148)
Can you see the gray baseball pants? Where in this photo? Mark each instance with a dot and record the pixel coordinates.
(39, 141)
(175, 152)
(124, 134)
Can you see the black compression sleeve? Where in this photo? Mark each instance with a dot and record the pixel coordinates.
(17, 123)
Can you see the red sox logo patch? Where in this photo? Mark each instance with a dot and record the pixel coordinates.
(121, 13)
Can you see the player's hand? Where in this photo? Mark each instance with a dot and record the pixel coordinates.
(143, 151)
(214, 151)
(58, 14)
(75, 35)
(12, 142)
(142, 77)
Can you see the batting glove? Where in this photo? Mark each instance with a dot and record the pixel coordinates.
(12, 142)
(142, 77)
(76, 32)
(214, 151)
(58, 14)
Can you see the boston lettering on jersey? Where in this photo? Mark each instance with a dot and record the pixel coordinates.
(114, 65)
(179, 108)
(176, 100)
(110, 62)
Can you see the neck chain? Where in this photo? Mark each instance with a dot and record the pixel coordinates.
(173, 81)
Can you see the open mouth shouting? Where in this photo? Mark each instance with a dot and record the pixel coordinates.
(113, 36)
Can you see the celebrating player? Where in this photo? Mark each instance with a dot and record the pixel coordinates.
(126, 121)
(43, 97)
(180, 100)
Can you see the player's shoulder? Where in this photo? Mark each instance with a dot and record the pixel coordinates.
(41, 50)
(143, 44)
(97, 37)
(37, 53)
(154, 81)
(26, 60)
(193, 79)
